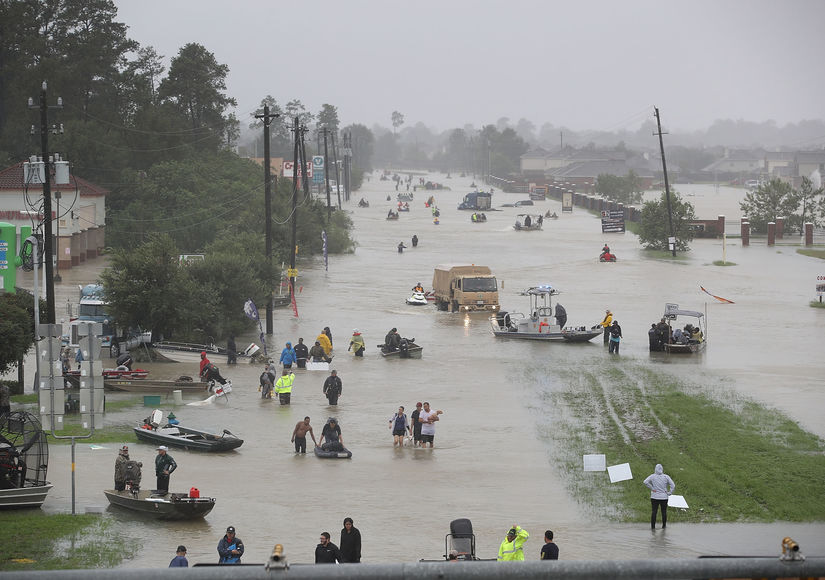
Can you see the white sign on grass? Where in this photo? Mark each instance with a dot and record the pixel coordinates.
(677, 501)
(619, 472)
(594, 462)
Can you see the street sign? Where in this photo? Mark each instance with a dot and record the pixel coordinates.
(612, 221)
(318, 168)
(820, 285)
(292, 272)
(289, 166)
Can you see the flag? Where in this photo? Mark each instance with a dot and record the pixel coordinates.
(326, 259)
(719, 298)
(251, 310)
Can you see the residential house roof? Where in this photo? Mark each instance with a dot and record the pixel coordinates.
(810, 157)
(596, 168)
(11, 178)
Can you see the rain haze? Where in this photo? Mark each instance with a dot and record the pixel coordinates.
(596, 65)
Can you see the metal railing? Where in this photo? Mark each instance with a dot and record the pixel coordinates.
(695, 568)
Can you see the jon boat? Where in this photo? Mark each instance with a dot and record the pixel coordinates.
(185, 352)
(72, 378)
(172, 506)
(672, 312)
(535, 222)
(155, 386)
(393, 217)
(541, 324)
(24, 461)
(190, 439)
(411, 350)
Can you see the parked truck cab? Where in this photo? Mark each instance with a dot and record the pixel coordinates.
(465, 288)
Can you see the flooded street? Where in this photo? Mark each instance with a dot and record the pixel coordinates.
(489, 464)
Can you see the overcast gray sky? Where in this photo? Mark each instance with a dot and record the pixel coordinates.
(596, 65)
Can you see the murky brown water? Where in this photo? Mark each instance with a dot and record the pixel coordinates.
(489, 464)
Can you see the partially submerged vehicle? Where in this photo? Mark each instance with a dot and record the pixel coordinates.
(24, 461)
(477, 200)
(686, 345)
(464, 288)
(540, 323)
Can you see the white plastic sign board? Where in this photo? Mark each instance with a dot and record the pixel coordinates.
(317, 366)
(619, 472)
(594, 462)
(677, 501)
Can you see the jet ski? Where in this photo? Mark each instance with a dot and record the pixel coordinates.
(417, 299)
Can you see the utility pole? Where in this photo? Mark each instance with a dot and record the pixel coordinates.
(267, 119)
(48, 249)
(347, 164)
(337, 174)
(297, 159)
(672, 239)
(326, 175)
(303, 130)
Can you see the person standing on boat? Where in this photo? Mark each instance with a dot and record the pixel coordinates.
(299, 435)
(120, 468)
(392, 341)
(230, 548)
(356, 343)
(164, 466)
(318, 354)
(288, 356)
(561, 315)
(512, 547)
(333, 387)
(325, 342)
(661, 486)
(605, 323)
(284, 387)
(301, 353)
(615, 337)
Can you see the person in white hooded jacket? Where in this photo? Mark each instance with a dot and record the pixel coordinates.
(661, 486)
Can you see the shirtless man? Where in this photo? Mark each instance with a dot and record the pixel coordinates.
(299, 435)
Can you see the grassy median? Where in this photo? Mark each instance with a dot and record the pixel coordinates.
(32, 540)
(732, 459)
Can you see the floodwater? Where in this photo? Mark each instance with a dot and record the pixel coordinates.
(489, 464)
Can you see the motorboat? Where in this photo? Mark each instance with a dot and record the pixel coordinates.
(176, 435)
(417, 299)
(24, 461)
(182, 383)
(392, 216)
(551, 216)
(185, 352)
(607, 257)
(407, 349)
(363, 203)
(71, 379)
(528, 222)
(541, 323)
(687, 345)
(403, 207)
(165, 506)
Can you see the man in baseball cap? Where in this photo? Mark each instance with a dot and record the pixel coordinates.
(230, 548)
(164, 466)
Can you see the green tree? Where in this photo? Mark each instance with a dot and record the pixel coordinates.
(626, 189)
(769, 201)
(16, 328)
(195, 85)
(363, 146)
(295, 108)
(397, 120)
(812, 204)
(146, 288)
(328, 117)
(654, 228)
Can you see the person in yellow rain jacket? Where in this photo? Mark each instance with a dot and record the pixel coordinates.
(608, 320)
(326, 343)
(512, 547)
(284, 386)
